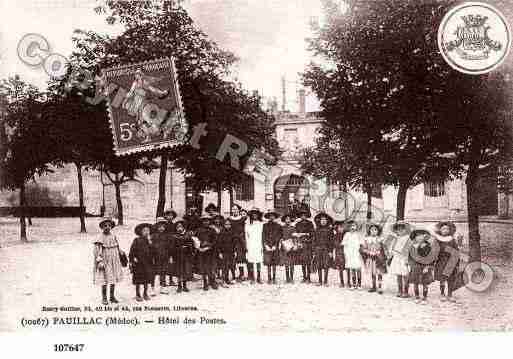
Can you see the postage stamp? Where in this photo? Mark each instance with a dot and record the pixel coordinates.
(146, 113)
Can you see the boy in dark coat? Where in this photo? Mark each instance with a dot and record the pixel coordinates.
(141, 260)
(206, 247)
(305, 229)
(226, 248)
(323, 246)
(182, 244)
(271, 237)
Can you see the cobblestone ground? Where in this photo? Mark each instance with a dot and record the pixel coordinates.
(55, 269)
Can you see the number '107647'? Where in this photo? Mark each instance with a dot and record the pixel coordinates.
(68, 347)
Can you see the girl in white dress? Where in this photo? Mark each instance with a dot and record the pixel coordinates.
(399, 250)
(253, 231)
(352, 242)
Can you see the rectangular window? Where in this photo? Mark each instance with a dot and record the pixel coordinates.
(290, 138)
(434, 188)
(245, 191)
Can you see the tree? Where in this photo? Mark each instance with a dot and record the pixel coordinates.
(27, 147)
(160, 30)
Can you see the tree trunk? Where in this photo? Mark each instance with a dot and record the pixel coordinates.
(81, 197)
(231, 198)
(401, 201)
(23, 225)
(119, 204)
(161, 203)
(369, 202)
(219, 196)
(474, 238)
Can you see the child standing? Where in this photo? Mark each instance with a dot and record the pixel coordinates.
(253, 233)
(304, 230)
(288, 247)
(399, 251)
(445, 268)
(107, 267)
(161, 243)
(272, 235)
(353, 243)
(182, 246)
(338, 252)
(323, 245)
(141, 260)
(205, 246)
(376, 259)
(421, 259)
(226, 249)
(238, 219)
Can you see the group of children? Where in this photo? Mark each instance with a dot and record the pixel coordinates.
(215, 247)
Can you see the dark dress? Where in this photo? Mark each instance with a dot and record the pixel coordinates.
(170, 228)
(208, 259)
(417, 267)
(340, 259)
(192, 223)
(182, 249)
(444, 257)
(271, 237)
(142, 261)
(240, 244)
(162, 252)
(323, 246)
(225, 245)
(288, 257)
(305, 250)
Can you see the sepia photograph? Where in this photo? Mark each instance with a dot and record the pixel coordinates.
(255, 167)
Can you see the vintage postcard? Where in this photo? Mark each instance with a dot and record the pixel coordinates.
(251, 167)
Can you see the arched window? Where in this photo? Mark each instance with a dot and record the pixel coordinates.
(434, 188)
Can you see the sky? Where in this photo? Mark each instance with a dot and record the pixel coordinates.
(268, 36)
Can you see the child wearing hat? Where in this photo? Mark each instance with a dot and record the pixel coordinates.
(353, 244)
(374, 250)
(272, 235)
(399, 251)
(304, 233)
(323, 246)
(217, 225)
(338, 253)
(162, 246)
(445, 268)
(421, 258)
(182, 248)
(288, 247)
(142, 260)
(107, 267)
(238, 220)
(253, 233)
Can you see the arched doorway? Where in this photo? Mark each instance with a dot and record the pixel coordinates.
(289, 192)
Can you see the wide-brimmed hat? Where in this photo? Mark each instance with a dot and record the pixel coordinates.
(140, 226)
(349, 224)
(401, 224)
(451, 225)
(182, 222)
(255, 211)
(160, 221)
(105, 220)
(271, 213)
(211, 208)
(374, 225)
(205, 218)
(287, 215)
(320, 215)
(217, 217)
(171, 212)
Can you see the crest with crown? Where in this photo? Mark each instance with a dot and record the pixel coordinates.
(474, 20)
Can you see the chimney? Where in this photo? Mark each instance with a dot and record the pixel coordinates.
(302, 104)
(284, 94)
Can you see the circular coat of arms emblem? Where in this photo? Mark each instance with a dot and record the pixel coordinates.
(474, 38)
